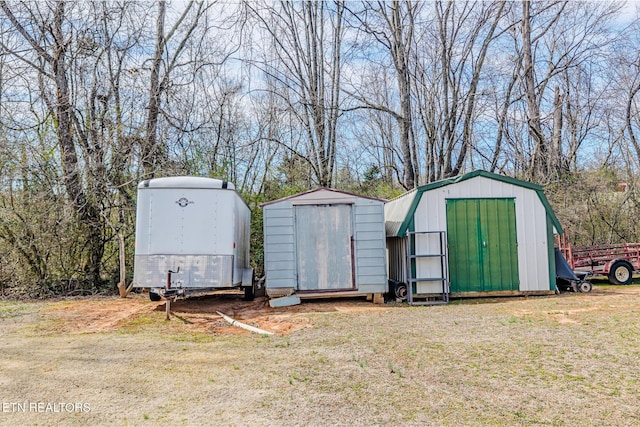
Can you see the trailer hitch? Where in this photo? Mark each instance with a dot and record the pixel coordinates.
(169, 277)
(169, 293)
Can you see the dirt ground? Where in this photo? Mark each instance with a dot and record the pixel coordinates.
(194, 314)
(200, 314)
(567, 359)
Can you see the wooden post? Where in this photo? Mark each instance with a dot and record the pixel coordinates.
(167, 299)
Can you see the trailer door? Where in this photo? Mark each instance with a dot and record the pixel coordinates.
(323, 246)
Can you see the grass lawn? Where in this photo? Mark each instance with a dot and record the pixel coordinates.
(560, 360)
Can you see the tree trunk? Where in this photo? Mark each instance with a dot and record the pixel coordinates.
(556, 158)
(150, 149)
(467, 133)
(628, 119)
(401, 44)
(539, 162)
(85, 208)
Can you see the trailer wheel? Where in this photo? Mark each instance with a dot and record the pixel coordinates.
(620, 273)
(585, 287)
(250, 291)
(401, 291)
(154, 296)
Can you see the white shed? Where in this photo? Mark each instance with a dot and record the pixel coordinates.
(192, 233)
(325, 242)
(475, 234)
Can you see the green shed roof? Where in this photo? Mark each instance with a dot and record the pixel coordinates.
(398, 221)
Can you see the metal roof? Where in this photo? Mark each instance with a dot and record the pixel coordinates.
(401, 215)
(396, 211)
(186, 182)
(294, 196)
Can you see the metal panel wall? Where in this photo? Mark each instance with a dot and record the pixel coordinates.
(370, 250)
(242, 237)
(279, 246)
(196, 271)
(397, 257)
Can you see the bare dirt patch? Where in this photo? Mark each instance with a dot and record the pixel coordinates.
(195, 314)
(94, 315)
(199, 314)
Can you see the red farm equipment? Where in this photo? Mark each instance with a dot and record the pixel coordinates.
(617, 262)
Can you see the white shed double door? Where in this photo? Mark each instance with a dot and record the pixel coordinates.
(324, 247)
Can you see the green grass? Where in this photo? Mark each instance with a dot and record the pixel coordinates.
(10, 309)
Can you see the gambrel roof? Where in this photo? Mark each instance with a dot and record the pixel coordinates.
(399, 211)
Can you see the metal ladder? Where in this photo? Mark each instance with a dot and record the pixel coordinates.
(441, 297)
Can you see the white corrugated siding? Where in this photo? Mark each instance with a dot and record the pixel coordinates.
(531, 226)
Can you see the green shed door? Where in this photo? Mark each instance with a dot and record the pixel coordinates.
(483, 247)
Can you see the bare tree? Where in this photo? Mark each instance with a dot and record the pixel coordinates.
(438, 52)
(52, 48)
(376, 130)
(627, 75)
(465, 33)
(492, 15)
(539, 165)
(303, 63)
(164, 62)
(392, 26)
(556, 37)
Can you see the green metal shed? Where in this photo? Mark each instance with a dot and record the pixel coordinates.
(476, 234)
